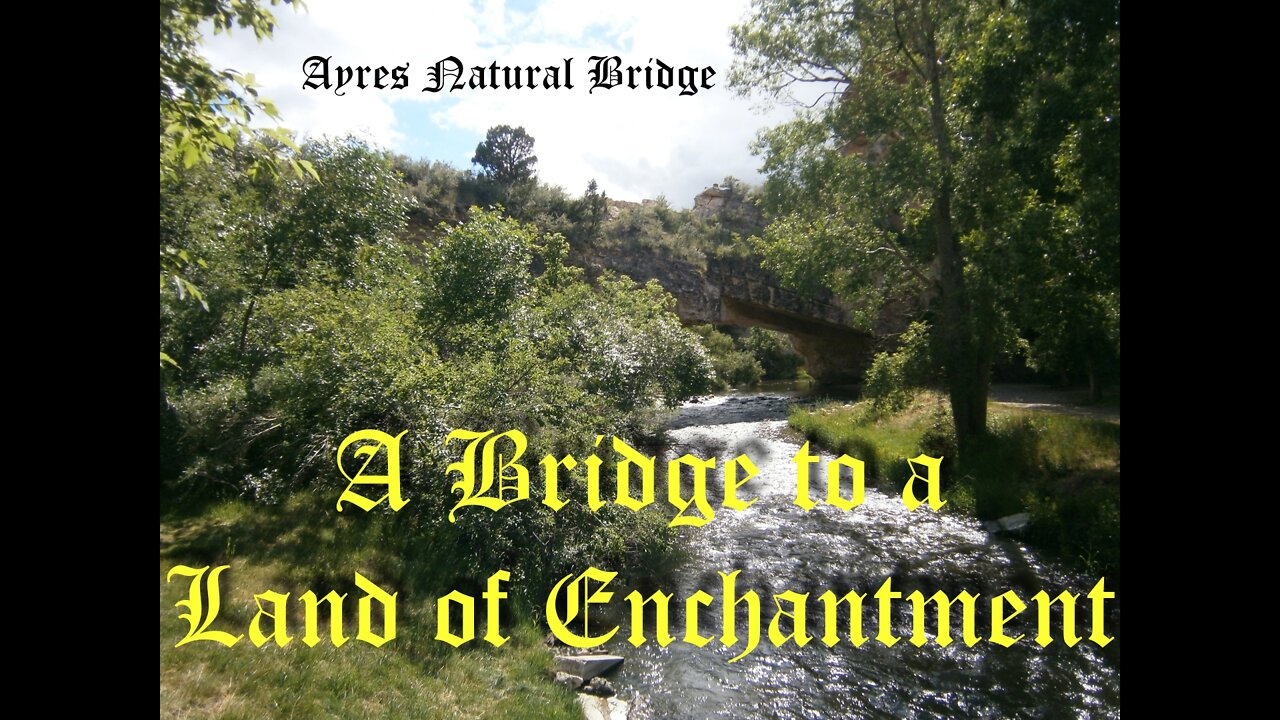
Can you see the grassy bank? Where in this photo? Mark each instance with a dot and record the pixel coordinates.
(285, 549)
(1064, 470)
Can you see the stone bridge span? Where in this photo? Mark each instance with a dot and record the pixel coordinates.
(737, 292)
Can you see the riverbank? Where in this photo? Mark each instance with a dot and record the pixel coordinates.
(1029, 396)
(774, 546)
(1061, 468)
(282, 548)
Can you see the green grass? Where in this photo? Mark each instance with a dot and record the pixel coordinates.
(1064, 470)
(299, 546)
(882, 441)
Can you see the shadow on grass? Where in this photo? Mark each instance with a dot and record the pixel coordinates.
(1063, 470)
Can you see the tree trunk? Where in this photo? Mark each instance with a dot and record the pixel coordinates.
(244, 328)
(967, 377)
(1095, 385)
(964, 355)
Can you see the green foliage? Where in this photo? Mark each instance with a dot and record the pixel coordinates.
(773, 352)
(841, 222)
(325, 230)
(677, 234)
(734, 366)
(1055, 147)
(204, 111)
(745, 360)
(437, 189)
(257, 235)
(590, 213)
(960, 146)
(478, 270)
(318, 325)
(895, 376)
(628, 340)
(506, 155)
(547, 206)
(314, 382)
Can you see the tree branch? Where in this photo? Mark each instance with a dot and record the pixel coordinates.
(907, 263)
(902, 43)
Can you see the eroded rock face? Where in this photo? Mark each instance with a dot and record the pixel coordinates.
(730, 207)
(697, 298)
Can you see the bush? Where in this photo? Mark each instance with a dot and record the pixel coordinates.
(318, 326)
(774, 353)
(894, 376)
(477, 271)
(733, 367)
(433, 187)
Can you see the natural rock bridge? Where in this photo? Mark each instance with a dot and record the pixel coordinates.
(739, 292)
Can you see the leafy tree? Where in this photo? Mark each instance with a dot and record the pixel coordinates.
(204, 112)
(900, 183)
(627, 341)
(734, 366)
(774, 353)
(1059, 139)
(267, 233)
(592, 210)
(893, 376)
(506, 154)
(478, 270)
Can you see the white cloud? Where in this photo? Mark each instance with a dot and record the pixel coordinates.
(636, 143)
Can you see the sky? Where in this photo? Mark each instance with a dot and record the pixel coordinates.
(635, 143)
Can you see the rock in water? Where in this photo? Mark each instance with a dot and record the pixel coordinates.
(1009, 523)
(1015, 522)
(573, 682)
(595, 708)
(600, 687)
(586, 666)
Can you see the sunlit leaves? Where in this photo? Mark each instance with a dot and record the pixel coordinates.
(1021, 141)
(478, 269)
(203, 110)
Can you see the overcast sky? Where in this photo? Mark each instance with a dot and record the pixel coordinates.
(635, 143)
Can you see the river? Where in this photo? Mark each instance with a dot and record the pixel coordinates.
(778, 546)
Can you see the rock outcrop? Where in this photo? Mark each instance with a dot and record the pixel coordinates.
(729, 206)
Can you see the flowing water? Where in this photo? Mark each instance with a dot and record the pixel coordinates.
(778, 546)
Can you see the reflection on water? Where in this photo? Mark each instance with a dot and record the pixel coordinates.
(779, 547)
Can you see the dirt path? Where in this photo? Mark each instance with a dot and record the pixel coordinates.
(1066, 402)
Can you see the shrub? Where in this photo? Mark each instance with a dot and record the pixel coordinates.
(733, 367)
(773, 352)
(894, 376)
